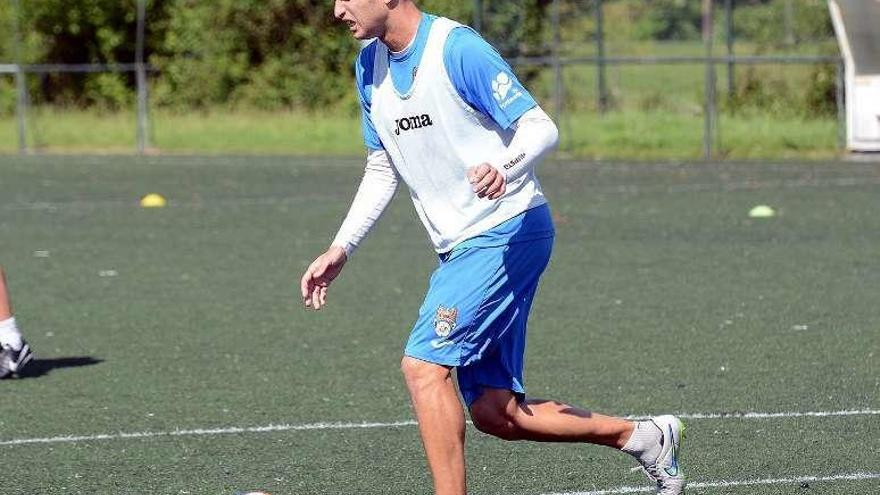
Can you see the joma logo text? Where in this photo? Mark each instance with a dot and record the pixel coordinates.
(414, 122)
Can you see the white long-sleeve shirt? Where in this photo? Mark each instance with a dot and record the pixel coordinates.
(534, 136)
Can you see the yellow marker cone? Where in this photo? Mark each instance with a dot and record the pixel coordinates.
(761, 211)
(153, 200)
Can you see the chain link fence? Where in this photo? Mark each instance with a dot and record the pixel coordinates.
(696, 59)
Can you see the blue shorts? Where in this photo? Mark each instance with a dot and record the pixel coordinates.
(474, 315)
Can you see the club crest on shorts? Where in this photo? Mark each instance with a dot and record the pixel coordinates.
(444, 322)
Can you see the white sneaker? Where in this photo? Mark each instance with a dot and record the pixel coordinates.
(665, 470)
(11, 362)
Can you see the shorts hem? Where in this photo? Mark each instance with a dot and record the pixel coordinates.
(429, 359)
(470, 396)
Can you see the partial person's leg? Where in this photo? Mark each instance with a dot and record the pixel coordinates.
(497, 412)
(441, 422)
(442, 334)
(10, 336)
(14, 351)
(654, 443)
(5, 304)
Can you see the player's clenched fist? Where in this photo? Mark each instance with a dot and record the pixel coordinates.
(318, 276)
(487, 181)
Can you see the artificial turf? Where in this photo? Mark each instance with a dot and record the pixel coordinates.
(662, 296)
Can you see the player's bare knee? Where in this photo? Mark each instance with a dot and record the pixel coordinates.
(420, 375)
(412, 368)
(494, 421)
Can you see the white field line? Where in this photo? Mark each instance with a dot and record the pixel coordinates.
(395, 424)
(269, 200)
(209, 431)
(766, 415)
(732, 484)
(133, 203)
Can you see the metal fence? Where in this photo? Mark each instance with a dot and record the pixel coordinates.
(21, 72)
(557, 55)
(555, 52)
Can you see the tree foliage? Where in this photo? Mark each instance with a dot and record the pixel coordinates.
(669, 19)
(262, 53)
(283, 54)
(81, 32)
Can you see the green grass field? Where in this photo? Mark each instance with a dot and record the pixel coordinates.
(632, 134)
(168, 338)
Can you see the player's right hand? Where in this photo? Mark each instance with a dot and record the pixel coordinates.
(487, 181)
(318, 276)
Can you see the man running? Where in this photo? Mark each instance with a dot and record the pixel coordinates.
(444, 113)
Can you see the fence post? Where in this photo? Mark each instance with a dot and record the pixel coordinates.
(478, 15)
(21, 103)
(788, 21)
(709, 104)
(143, 138)
(21, 108)
(839, 86)
(557, 65)
(602, 102)
(728, 9)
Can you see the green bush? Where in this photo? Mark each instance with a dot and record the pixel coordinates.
(86, 31)
(7, 96)
(292, 54)
(820, 98)
(272, 54)
(765, 87)
(6, 26)
(459, 10)
(668, 19)
(200, 63)
(108, 91)
(764, 23)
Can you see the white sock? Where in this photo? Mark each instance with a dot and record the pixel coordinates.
(644, 444)
(10, 336)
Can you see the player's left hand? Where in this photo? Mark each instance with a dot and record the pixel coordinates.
(487, 181)
(319, 275)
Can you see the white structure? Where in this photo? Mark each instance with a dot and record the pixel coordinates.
(857, 25)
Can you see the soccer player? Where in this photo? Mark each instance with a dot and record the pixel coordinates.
(14, 351)
(444, 113)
